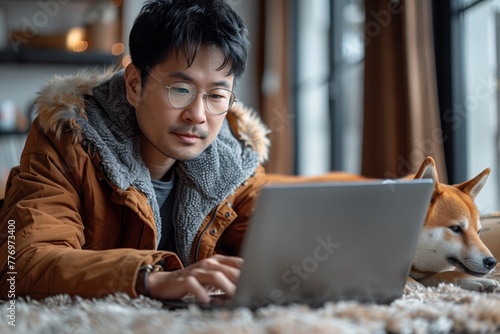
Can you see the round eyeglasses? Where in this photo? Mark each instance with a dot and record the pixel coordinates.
(218, 101)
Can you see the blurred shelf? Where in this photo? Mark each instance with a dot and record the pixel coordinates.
(13, 133)
(42, 56)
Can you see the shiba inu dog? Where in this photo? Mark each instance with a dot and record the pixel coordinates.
(450, 249)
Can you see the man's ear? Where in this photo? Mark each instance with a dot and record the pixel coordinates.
(133, 84)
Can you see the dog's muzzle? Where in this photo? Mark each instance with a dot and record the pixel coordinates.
(488, 264)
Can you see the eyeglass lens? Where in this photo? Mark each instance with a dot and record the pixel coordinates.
(218, 100)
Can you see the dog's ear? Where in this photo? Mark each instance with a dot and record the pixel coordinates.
(427, 170)
(474, 186)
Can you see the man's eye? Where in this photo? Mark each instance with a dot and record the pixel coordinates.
(456, 228)
(216, 97)
(181, 91)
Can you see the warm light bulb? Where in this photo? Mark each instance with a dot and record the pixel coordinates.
(126, 60)
(117, 49)
(75, 40)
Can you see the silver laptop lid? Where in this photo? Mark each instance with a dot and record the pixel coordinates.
(312, 243)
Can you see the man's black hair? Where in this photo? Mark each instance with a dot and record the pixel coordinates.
(180, 28)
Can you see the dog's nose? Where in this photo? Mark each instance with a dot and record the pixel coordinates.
(490, 262)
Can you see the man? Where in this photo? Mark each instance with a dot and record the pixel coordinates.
(143, 180)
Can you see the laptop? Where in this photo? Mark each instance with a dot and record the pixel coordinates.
(312, 243)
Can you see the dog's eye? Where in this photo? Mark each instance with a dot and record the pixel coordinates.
(456, 228)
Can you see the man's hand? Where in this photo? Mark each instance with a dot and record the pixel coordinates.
(220, 272)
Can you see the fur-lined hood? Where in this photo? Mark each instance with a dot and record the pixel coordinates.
(62, 99)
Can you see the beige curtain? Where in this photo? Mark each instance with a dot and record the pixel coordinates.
(401, 113)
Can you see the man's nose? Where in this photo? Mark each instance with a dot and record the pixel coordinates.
(196, 111)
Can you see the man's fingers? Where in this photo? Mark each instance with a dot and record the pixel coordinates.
(193, 286)
(219, 272)
(215, 279)
(171, 285)
(229, 266)
(232, 261)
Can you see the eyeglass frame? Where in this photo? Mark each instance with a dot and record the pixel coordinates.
(205, 95)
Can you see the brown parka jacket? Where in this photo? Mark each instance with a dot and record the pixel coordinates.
(80, 216)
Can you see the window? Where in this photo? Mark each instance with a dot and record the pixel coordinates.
(329, 85)
(478, 36)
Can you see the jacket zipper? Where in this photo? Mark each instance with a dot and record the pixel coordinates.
(212, 219)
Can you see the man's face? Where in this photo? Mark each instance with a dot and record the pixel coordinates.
(177, 133)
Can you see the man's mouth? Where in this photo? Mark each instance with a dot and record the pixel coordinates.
(462, 267)
(188, 134)
(188, 137)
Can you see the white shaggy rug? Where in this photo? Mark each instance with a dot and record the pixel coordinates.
(445, 309)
